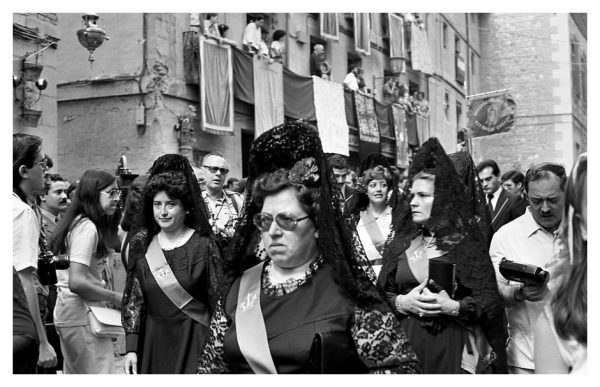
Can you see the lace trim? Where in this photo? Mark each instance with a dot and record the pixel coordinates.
(279, 289)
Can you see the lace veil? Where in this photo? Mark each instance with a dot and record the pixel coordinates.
(288, 146)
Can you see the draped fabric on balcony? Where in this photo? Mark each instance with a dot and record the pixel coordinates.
(331, 116)
(268, 95)
(243, 76)
(298, 96)
(216, 88)
(419, 50)
(367, 125)
(401, 135)
(422, 129)
(411, 129)
(383, 119)
(351, 119)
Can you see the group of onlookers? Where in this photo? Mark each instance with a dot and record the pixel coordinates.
(309, 269)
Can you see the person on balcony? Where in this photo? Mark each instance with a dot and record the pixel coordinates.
(252, 34)
(351, 79)
(277, 48)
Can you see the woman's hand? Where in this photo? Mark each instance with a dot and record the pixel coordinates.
(116, 299)
(131, 363)
(420, 301)
(447, 305)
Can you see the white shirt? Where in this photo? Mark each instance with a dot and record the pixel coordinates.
(252, 35)
(351, 82)
(384, 222)
(26, 234)
(81, 242)
(523, 241)
(495, 197)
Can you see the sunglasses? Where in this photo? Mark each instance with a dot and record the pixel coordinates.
(114, 194)
(224, 171)
(284, 220)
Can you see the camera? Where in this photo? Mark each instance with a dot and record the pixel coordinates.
(48, 263)
(529, 275)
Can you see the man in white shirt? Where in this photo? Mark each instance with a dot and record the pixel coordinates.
(252, 34)
(530, 239)
(351, 79)
(29, 164)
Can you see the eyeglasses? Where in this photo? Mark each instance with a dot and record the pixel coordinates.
(114, 194)
(284, 220)
(224, 171)
(43, 163)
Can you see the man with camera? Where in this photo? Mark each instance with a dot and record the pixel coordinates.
(29, 165)
(532, 239)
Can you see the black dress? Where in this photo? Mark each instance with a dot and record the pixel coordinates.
(165, 339)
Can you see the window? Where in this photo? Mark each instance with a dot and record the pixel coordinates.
(362, 33)
(447, 104)
(396, 25)
(329, 26)
(445, 35)
(458, 116)
(459, 62)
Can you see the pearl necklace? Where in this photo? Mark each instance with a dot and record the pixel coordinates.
(170, 246)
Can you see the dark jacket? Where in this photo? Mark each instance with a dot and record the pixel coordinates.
(508, 208)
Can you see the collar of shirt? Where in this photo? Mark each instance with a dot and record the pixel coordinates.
(49, 215)
(531, 226)
(219, 201)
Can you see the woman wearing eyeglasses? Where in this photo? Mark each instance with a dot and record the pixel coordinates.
(173, 276)
(309, 307)
(87, 233)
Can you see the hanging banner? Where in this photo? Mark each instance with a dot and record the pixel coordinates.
(298, 96)
(401, 136)
(368, 130)
(268, 95)
(491, 113)
(216, 88)
(331, 116)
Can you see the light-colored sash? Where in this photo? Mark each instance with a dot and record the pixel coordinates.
(373, 230)
(162, 273)
(250, 325)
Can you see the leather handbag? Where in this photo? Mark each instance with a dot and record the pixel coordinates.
(105, 322)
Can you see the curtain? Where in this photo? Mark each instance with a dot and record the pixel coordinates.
(268, 95)
(383, 121)
(329, 25)
(330, 111)
(216, 88)
(362, 31)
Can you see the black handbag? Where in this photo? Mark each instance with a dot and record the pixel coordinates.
(334, 353)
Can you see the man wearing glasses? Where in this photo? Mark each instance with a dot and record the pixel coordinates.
(223, 206)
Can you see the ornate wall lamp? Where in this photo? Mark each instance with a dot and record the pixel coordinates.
(28, 86)
(91, 36)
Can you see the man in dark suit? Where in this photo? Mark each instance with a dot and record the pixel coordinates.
(503, 207)
(340, 170)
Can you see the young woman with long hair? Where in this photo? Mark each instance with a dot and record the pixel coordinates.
(87, 234)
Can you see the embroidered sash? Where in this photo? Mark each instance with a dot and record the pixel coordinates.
(162, 273)
(373, 230)
(250, 326)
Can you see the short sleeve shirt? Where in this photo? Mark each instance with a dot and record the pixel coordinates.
(26, 234)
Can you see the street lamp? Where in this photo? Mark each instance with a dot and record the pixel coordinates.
(91, 36)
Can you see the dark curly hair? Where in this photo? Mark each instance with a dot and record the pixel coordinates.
(274, 182)
(175, 185)
(133, 202)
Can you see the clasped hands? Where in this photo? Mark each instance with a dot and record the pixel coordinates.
(424, 303)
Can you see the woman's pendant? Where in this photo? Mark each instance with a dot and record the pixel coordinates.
(417, 254)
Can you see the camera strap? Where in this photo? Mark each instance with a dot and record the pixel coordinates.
(164, 277)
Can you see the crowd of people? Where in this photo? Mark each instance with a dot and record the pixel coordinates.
(309, 268)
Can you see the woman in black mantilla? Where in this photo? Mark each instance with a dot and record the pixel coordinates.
(175, 249)
(445, 328)
(309, 307)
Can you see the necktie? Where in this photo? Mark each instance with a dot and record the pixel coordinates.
(489, 203)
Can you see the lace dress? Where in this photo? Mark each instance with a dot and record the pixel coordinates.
(369, 340)
(165, 339)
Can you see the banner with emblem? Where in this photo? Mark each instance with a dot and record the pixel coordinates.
(491, 113)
